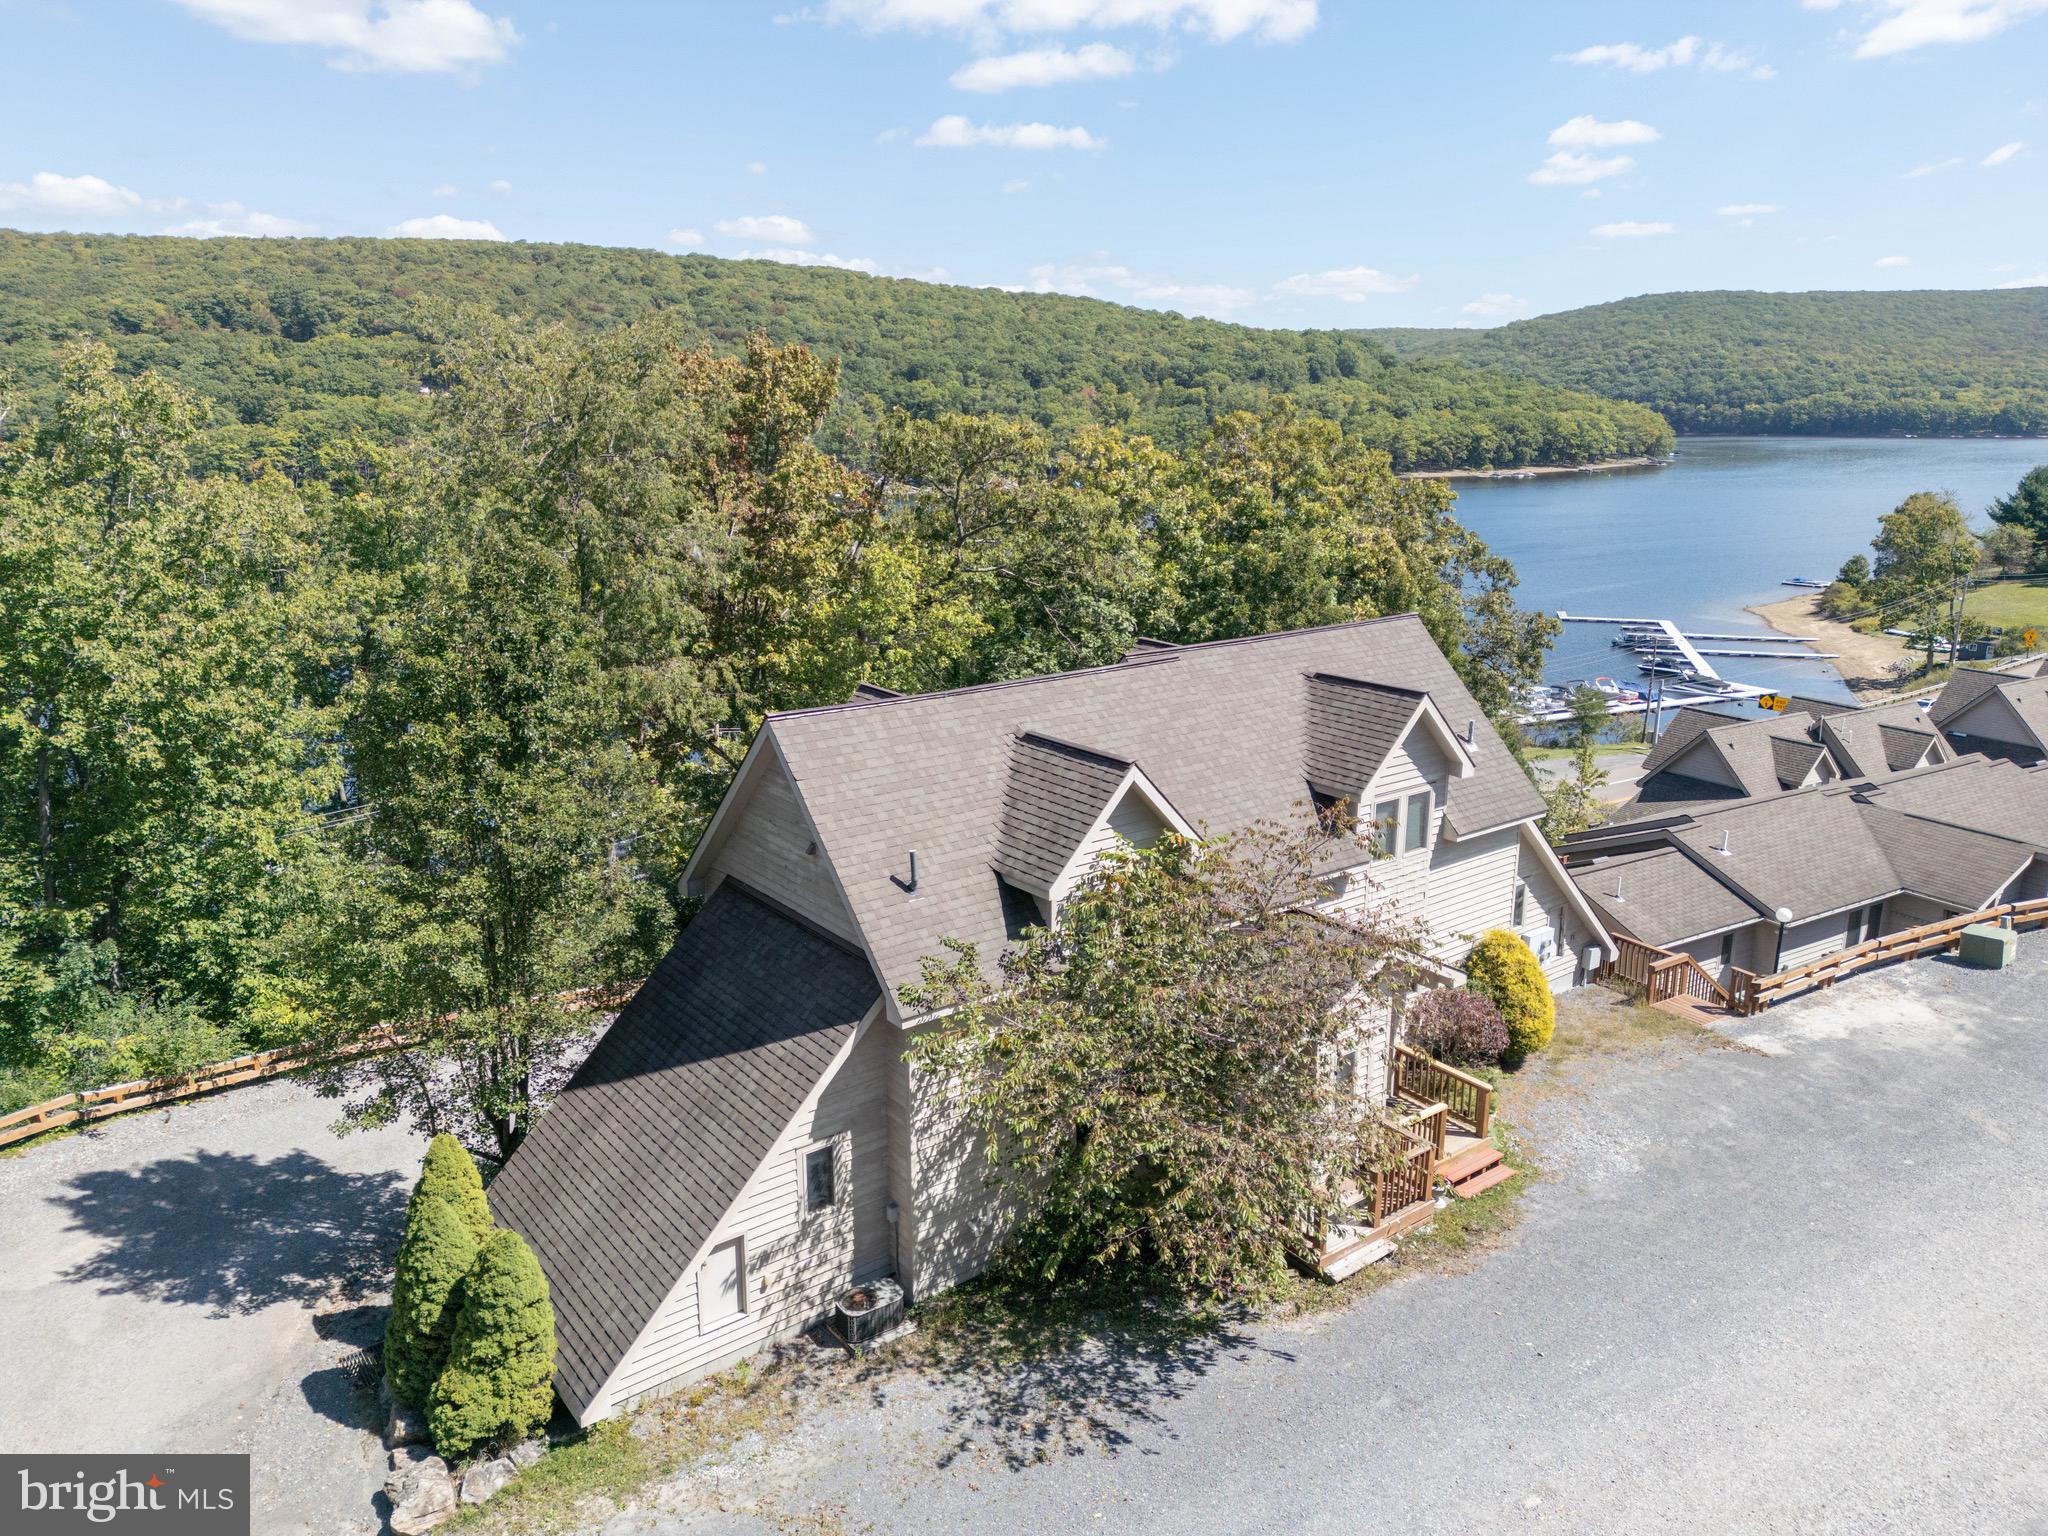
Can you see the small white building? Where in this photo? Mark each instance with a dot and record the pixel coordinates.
(747, 1140)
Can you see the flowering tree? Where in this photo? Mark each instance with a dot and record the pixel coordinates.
(1163, 1077)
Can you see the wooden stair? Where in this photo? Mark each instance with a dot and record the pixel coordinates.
(1474, 1170)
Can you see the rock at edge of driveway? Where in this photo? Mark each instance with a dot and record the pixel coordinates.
(408, 1426)
(487, 1478)
(422, 1495)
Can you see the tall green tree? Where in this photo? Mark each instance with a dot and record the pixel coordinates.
(167, 654)
(1925, 551)
(2026, 506)
(1161, 1084)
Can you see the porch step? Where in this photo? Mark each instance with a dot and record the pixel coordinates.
(1349, 1261)
(1468, 1164)
(1500, 1173)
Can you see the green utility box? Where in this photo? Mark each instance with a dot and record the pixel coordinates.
(1987, 946)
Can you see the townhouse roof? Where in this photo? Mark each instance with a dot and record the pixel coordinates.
(1223, 730)
(1352, 727)
(1762, 755)
(1661, 895)
(624, 1177)
(1885, 738)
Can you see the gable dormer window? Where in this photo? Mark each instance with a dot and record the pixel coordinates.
(1415, 834)
(1386, 829)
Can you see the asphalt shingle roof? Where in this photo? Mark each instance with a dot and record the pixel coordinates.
(1956, 866)
(1055, 794)
(1665, 897)
(1352, 726)
(1221, 729)
(625, 1175)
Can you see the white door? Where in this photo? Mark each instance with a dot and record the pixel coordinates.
(722, 1285)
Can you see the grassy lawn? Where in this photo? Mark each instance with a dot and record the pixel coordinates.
(2011, 604)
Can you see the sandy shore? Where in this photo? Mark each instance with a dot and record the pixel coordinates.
(1866, 660)
(1532, 469)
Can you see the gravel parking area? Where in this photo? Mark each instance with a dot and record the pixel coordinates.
(192, 1279)
(1788, 1288)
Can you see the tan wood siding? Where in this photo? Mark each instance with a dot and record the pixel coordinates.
(797, 1262)
(961, 1214)
(1548, 906)
(1991, 718)
(1702, 760)
(767, 844)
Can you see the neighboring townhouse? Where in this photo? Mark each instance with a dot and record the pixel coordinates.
(1891, 738)
(1704, 757)
(1772, 883)
(747, 1140)
(1996, 713)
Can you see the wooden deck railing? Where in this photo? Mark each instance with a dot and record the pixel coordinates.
(1664, 974)
(1422, 1079)
(1927, 939)
(1410, 1181)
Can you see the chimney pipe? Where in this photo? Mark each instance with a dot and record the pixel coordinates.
(913, 869)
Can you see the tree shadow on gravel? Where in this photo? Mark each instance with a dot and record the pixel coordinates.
(234, 1233)
(1030, 1379)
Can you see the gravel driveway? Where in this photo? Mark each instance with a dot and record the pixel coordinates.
(192, 1279)
(1794, 1288)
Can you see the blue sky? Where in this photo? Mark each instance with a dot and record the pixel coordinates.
(1281, 162)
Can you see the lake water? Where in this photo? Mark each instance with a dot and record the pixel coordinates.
(1717, 529)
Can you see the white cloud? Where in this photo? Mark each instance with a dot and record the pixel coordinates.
(447, 189)
(796, 258)
(1043, 66)
(501, 186)
(1110, 280)
(48, 193)
(1904, 25)
(956, 132)
(1566, 169)
(224, 219)
(1494, 306)
(410, 36)
(1588, 132)
(1933, 167)
(1893, 261)
(1350, 285)
(1017, 184)
(2038, 280)
(1632, 229)
(1682, 54)
(1273, 21)
(757, 168)
(2003, 153)
(684, 239)
(1745, 210)
(778, 227)
(445, 226)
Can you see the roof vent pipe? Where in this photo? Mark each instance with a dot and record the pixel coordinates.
(1471, 733)
(913, 870)
(1720, 847)
(1617, 886)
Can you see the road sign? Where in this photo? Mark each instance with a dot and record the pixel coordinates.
(2030, 637)
(1772, 701)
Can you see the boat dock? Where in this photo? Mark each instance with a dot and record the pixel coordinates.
(1669, 646)
(1675, 641)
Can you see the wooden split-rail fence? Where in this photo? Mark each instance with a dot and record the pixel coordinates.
(1667, 976)
(97, 1104)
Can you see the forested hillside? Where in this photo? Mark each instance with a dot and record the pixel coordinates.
(1928, 362)
(299, 342)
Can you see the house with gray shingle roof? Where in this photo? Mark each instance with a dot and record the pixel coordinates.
(1772, 882)
(1999, 713)
(748, 1141)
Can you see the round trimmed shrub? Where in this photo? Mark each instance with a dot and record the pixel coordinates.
(498, 1385)
(1458, 1026)
(426, 1295)
(449, 1174)
(1505, 970)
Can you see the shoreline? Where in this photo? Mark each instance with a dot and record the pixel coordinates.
(1532, 471)
(1866, 660)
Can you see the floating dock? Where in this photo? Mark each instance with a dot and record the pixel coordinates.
(1677, 647)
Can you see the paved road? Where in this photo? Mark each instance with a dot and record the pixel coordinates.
(191, 1279)
(1786, 1292)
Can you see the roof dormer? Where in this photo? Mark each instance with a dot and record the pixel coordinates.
(1064, 806)
(1355, 726)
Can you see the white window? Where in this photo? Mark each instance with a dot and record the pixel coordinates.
(821, 1184)
(1386, 827)
(1521, 903)
(1417, 832)
(722, 1285)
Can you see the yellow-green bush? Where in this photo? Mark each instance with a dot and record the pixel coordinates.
(498, 1385)
(450, 1174)
(1505, 969)
(426, 1294)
